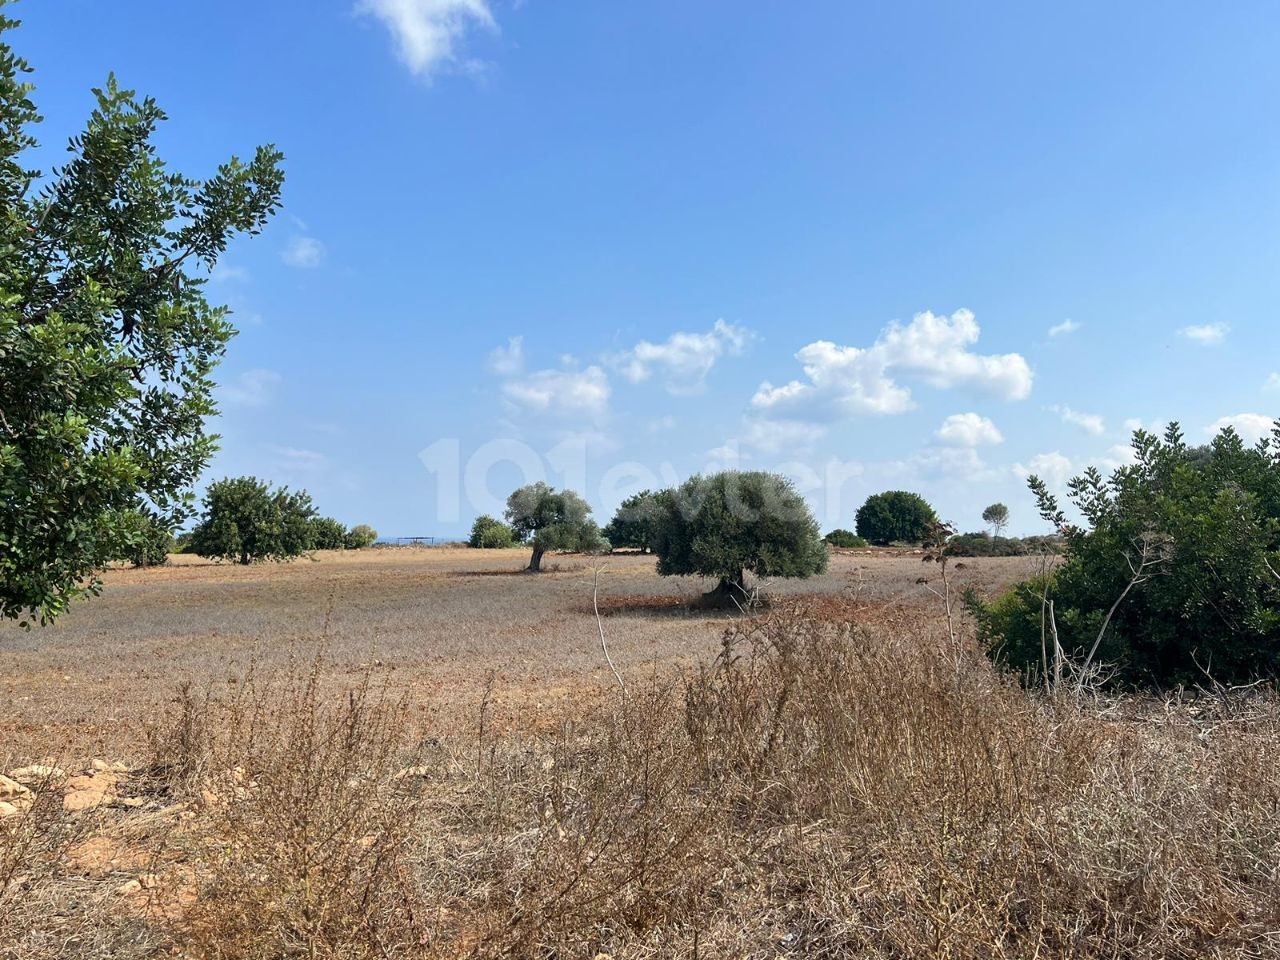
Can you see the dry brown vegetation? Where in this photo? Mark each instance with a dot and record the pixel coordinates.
(825, 779)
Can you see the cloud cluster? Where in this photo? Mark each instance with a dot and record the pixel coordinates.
(1089, 422)
(1063, 329)
(253, 388)
(303, 252)
(846, 381)
(968, 430)
(1252, 427)
(571, 392)
(1206, 334)
(427, 32)
(683, 359)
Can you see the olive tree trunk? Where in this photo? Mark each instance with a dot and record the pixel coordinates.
(535, 562)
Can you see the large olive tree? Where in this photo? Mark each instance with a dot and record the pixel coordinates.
(729, 523)
(107, 343)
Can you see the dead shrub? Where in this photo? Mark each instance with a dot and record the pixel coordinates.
(308, 810)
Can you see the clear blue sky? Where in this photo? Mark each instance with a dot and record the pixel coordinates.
(702, 221)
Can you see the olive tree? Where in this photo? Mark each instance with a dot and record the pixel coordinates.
(107, 343)
(551, 519)
(245, 521)
(729, 523)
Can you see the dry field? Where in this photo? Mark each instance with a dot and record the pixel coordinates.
(422, 753)
(441, 620)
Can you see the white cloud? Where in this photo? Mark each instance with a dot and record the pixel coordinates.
(303, 252)
(294, 459)
(1252, 427)
(662, 423)
(847, 381)
(684, 359)
(566, 394)
(426, 32)
(1273, 382)
(774, 436)
(508, 360)
(1089, 422)
(253, 388)
(224, 272)
(1053, 468)
(968, 430)
(1206, 334)
(1063, 329)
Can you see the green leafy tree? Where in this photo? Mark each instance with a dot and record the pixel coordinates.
(245, 521)
(636, 521)
(731, 523)
(844, 539)
(895, 516)
(1172, 576)
(996, 516)
(551, 519)
(328, 534)
(361, 537)
(147, 542)
(489, 533)
(107, 344)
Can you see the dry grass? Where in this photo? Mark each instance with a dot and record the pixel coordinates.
(828, 780)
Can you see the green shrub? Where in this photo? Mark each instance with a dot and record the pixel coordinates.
(845, 540)
(1180, 552)
(327, 534)
(895, 516)
(984, 545)
(145, 541)
(488, 533)
(360, 537)
(245, 521)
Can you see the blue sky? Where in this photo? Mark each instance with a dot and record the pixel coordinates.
(921, 245)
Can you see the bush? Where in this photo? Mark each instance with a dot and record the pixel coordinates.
(327, 534)
(1175, 576)
(733, 522)
(845, 540)
(245, 521)
(361, 536)
(488, 533)
(145, 541)
(985, 545)
(895, 516)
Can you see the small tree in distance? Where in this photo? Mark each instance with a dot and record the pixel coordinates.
(245, 521)
(996, 516)
(733, 522)
(360, 537)
(635, 522)
(551, 519)
(895, 516)
(327, 534)
(488, 533)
